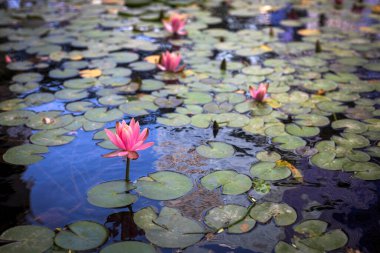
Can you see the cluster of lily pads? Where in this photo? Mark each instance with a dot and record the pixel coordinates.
(94, 67)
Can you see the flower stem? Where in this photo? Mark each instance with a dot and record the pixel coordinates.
(127, 169)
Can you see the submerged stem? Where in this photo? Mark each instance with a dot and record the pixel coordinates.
(127, 169)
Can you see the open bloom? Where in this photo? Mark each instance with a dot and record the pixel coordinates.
(260, 93)
(8, 59)
(170, 62)
(175, 24)
(128, 139)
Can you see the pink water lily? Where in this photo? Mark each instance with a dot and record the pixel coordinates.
(170, 62)
(175, 24)
(260, 93)
(8, 59)
(128, 139)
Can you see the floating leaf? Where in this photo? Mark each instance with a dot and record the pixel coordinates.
(103, 115)
(164, 185)
(112, 194)
(15, 118)
(130, 247)
(283, 214)
(24, 154)
(226, 216)
(27, 239)
(170, 229)
(82, 235)
(232, 183)
(269, 171)
(216, 150)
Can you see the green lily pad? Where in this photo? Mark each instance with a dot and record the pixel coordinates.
(82, 235)
(80, 83)
(169, 229)
(266, 156)
(227, 215)
(63, 74)
(151, 85)
(301, 131)
(112, 194)
(312, 120)
(289, 142)
(130, 247)
(15, 118)
(351, 140)
(80, 106)
(138, 108)
(164, 185)
(170, 102)
(12, 104)
(269, 171)
(174, 119)
(27, 239)
(197, 98)
(216, 150)
(331, 240)
(71, 94)
(232, 183)
(283, 214)
(54, 137)
(24, 154)
(350, 126)
(311, 228)
(49, 120)
(103, 115)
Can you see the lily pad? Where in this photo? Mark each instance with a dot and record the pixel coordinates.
(130, 247)
(112, 194)
(15, 118)
(164, 185)
(24, 154)
(216, 150)
(228, 216)
(103, 115)
(82, 235)
(232, 183)
(169, 229)
(27, 239)
(283, 214)
(269, 171)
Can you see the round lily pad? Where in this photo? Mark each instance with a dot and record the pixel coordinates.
(269, 171)
(138, 108)
(27, 239)
(289, 142)
(54, 137)
(301, 131)
(130, 247)
(82, 235)
(112, 194)
(103, 115)
(174, 119)
(350, 126)
(15, 118)
(169, 229)
(164, 185)
(232, 183)
(266, 156)
(24, 154)
(49, 120)
(215, 149)
(226, 216)
(283, 214)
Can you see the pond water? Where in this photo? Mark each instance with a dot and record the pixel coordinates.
(296, 172)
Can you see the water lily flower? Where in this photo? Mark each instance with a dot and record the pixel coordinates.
(8, 59)
(170, 62)
(260, 93)
(129, 140)
(175, 24)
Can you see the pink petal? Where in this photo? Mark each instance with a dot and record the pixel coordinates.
(143, 135)
(133, 155)
(113, 154)
(114, 139)
(168, 26)
(145, 146)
